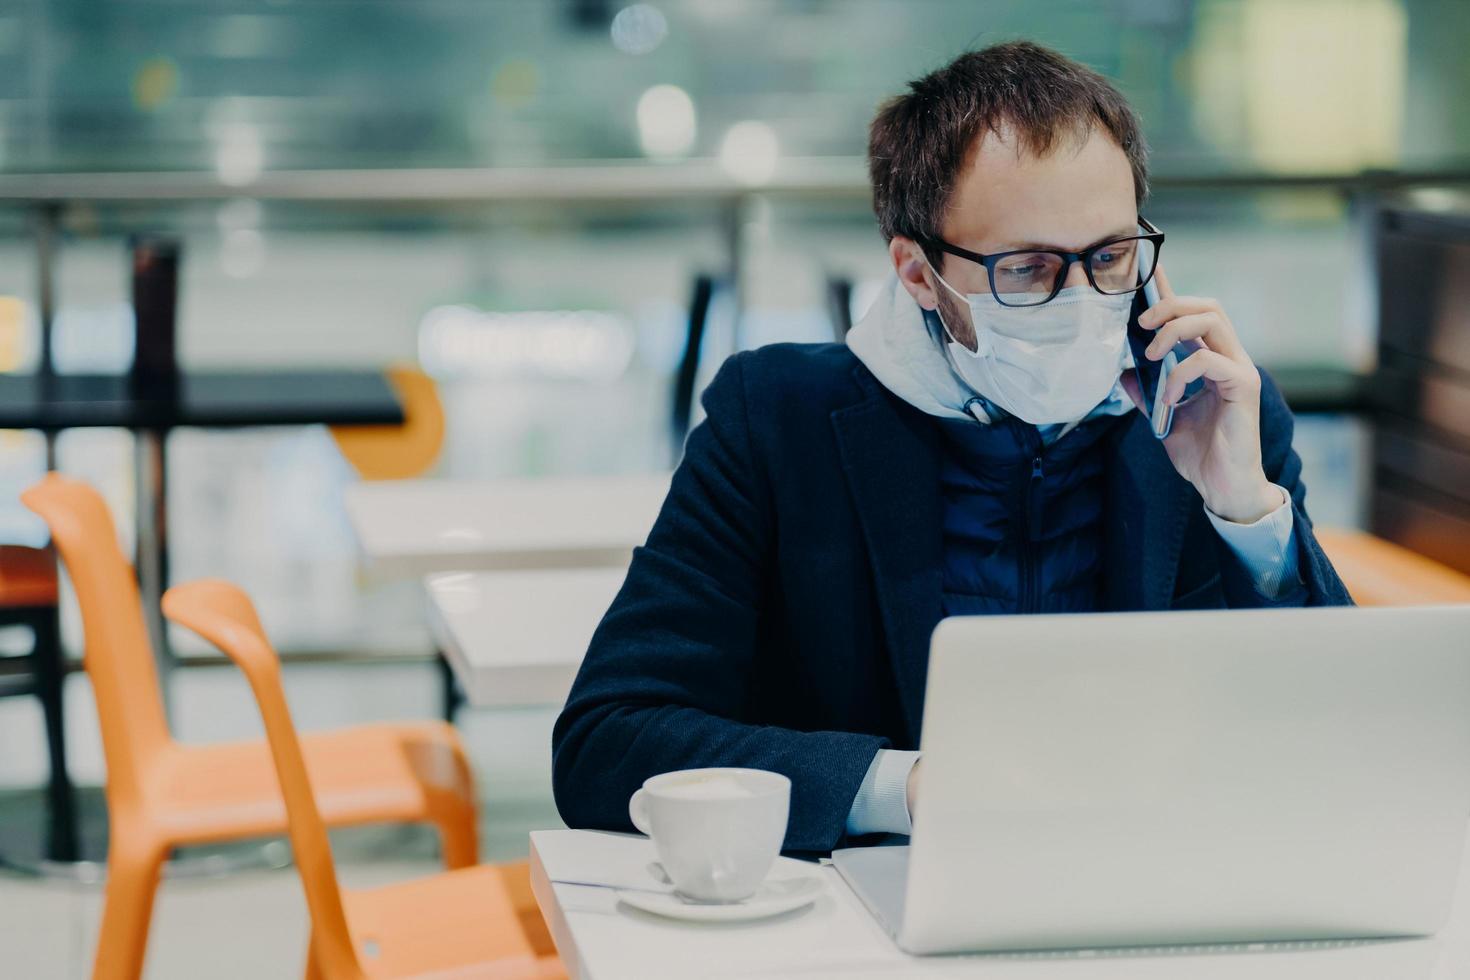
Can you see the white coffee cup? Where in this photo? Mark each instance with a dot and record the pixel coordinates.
(717, 831)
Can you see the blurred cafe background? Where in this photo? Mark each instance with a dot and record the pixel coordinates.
(567, 213)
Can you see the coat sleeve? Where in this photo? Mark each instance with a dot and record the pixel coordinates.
(672, 665)
(1319, 584)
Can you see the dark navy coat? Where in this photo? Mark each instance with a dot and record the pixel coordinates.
(779, 615)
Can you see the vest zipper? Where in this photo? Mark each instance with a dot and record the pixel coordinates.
(1031, 507)
(1030, 559)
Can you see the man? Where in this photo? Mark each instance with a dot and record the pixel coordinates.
(973, 449)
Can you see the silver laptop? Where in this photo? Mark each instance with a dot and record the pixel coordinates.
(1198, 777)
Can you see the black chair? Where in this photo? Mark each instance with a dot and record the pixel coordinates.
(839, 306)
(28, 597)
(1421, 387)
(683, 400)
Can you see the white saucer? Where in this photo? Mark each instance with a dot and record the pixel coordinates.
(774, 897)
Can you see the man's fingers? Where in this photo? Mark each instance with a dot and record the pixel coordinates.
(1205, 322)
(1191, 327)
(1172, 307)
(1233, 380)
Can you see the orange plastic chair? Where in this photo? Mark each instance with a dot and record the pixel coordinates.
(1381, 573)
(473, 922)
(162, 794)
(398, 452)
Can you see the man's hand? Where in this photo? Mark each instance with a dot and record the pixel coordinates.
(1215, 442)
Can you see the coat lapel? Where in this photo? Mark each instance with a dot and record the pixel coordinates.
(891, 460)
(1147, 511)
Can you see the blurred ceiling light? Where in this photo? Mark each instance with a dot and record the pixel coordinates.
(239, 212)
(666, 123)
(639, 29)
(242, 253)
(462, 341)
(1304, 85)
(749, 152)
(155, 83)
(239, 156)
(515, 83)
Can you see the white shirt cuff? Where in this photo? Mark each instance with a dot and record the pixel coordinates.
(882, 802)
(1265, 547)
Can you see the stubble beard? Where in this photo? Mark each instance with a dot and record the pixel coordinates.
(955, 319)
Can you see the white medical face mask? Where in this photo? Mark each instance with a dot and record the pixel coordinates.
(1044, 364)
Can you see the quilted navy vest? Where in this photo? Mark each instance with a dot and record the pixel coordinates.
(1022, 522)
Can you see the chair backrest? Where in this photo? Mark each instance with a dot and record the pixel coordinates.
(27, 577)
(222, 614)
(397, 452)
(1420, 472)
(117, 653)
(1381, 573)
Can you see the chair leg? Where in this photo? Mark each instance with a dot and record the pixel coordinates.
(50, 688)
(459, 837)
(127, 911)
(449, 797)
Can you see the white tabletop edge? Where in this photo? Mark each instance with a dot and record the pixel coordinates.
(556, 920)
(864, 949)
(430, 560)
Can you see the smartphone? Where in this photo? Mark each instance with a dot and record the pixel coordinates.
(1153, 376)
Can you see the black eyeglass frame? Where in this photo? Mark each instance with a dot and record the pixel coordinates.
(1085, 257)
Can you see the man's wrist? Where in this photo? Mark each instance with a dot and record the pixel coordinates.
(1248, 508)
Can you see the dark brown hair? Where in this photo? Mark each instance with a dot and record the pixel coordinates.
(920, 141)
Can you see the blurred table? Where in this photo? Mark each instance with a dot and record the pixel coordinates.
(211, 399)
(410, 528)
(598, 938)
(517, 638)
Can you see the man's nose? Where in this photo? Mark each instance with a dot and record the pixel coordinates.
(1076, 276)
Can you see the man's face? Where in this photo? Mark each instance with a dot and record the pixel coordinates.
(1079, 194)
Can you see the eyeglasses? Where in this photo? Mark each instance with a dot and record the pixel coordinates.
(1031, 277)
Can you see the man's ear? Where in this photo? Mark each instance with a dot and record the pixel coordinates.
(913, 270)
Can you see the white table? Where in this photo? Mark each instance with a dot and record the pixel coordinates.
(409, 528)
(600, 939)
(517, 638)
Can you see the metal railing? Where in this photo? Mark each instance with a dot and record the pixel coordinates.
(604, 180)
